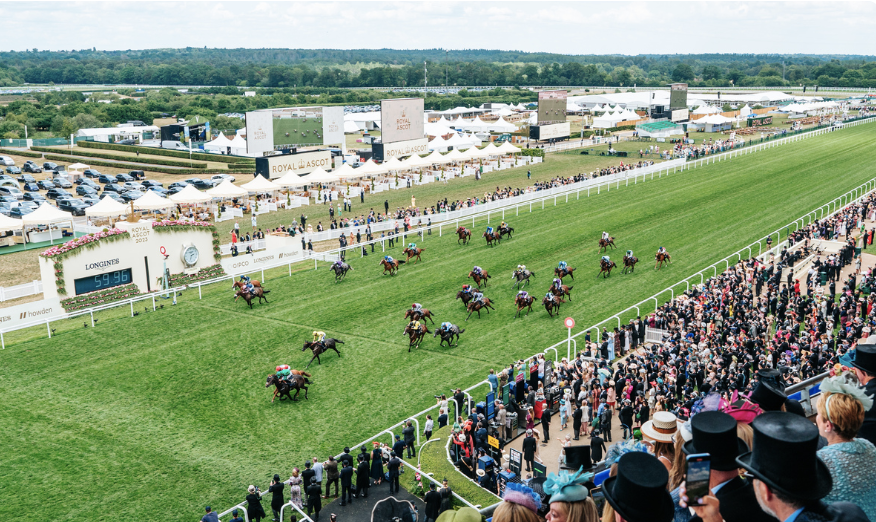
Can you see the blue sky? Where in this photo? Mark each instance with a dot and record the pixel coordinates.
(566, 27)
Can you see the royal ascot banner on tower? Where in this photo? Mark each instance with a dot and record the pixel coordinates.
(401, 120)
(399, 149)
(259, 132)
(273, 167)
(332, 125)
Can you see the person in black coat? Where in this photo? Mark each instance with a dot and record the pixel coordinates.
(307, 474)
(314, 499)
(433, 503)
(347, 483)
(546, 423)
(363, 479)
(576, 422)
(346, 457)
(276, 490)
(529, 447)
(393, 468)
(399, 447)
(597, 447)
(254, 509)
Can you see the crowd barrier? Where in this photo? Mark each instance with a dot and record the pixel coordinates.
(23, 290)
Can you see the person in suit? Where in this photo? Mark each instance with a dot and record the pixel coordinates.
(399, 446)
(433, 503)
(307, 474)
(576, 421)
(346, 483)
(865, 371)
(331, 476)
(546, 424)
(637, 491)
(314, 499)
(597, 447)
(501, 416)
(393, 468)
(410, 438)
(345, 456)
(276, 490)
(363, 479)
(529, 447)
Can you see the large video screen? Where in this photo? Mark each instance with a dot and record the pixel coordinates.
(293, 127)
(678, 96)
(551, 107)
(297, 127)
(401, 119)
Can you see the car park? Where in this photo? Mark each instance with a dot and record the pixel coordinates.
(131, 195)
(90, 200)
(20, 212)
(6, 198)
(173, 189)
(11, 191)
(124, 177)
(74, 206)
(26, 178)
(192, 181)
(105, 178)
(34, 196)
(56, 193)
(28, 204)
(49, 165)
(137, 174)
(86, 181)
(113, 196)
(13, 170)
(178, 184)
(133, 185)
(32, 168)
(30, 187)
(203, 184)
(91, 173)
(62, 182)
(5, 208)
(113, 187)
(7, 161)
(6, 177)
(46, 184)
(160, 191)
(85, 190)
(151, 183)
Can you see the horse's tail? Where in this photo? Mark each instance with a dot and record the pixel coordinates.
(462, 330)
(487, 276)
(265, 292)
(401, 261)
(338, 341)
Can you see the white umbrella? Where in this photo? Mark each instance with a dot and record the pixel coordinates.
(290, 179)
(151, 200)
(190, 194)
(7, 223)
(106, 207)
(318, 175)
(227, 189)
(260, 184)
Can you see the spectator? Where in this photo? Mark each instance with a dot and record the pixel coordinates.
(393, 468)
(363, 479)
(570, 498)
(637, 493)
(236, 514)
(345, 456)
(254, 509)
(410, 435)
(211, 515)
(307, 474)
(277, 500)
(597, 447)
(851, 461)
(346, 476)
(296, 489)
(332, 476)
(494, 381)
(865, 371)
(446, 496)
(432, 499)
(377, 465)
(442, 418)
(659, 432)
(399, 447)
(427, 430)
(314, 499)
(519, 504)
(317, 470)
(529, 447)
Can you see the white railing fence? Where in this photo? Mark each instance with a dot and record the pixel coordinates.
(26, 289)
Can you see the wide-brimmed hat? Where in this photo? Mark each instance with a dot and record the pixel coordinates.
(865, 358)
(661, 427)
(638, 491)
(785, 458)
(714, 432)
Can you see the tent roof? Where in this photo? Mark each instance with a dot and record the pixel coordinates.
(106, 207)
(350, 127)
(318, 175)
(346, 171)
(78, 166)
(491, 149)
(238, 142)
(7, 223)
(226, 189)
(290, 179)
(46, 214)
(508, 148)
(436, 158)
(220, 141)
(190, 194)
(151, 201)
(260, 184)
(369, 168)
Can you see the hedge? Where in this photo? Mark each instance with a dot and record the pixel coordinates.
(151, 161)
(219, 158)
(21, 153)
(538, 153)
(133, 166)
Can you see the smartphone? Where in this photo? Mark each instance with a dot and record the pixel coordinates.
(598, 499)
(699, 467)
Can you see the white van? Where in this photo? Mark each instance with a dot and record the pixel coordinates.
(6, 161)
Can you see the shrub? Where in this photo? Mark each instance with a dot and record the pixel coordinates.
(164, 152)
(134, 159)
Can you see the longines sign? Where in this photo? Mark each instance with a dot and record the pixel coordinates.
(274, 167)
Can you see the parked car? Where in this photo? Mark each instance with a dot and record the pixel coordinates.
(137, 174)
(6, 177)
(91, 173)
(34, 196)
(13, 170)
(46, 184)
(86, 181)
(6, 198)
(127, 142)
(32, 167)
(85, 190)
(61, 172)
(161, 191)
(57, 193)
(62, 182)
(219, 178)
(179, 185)
(203, 184)
(105, 178)
(7, 161)
(30, 187)
(113, 187)
(173, 189)
(131, 195)
(26, 178)
(49, 165)
(20, 212)
(124, 177)
(151, 183)
(90, 200)
(133, 185)
(74, 206)
(11, 191)
(113, 196)
(192, 181)
(28, 204)
(5, 208)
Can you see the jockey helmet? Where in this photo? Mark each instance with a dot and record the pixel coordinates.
(315, 332)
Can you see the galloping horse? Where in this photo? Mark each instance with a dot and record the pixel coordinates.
(662, 258)
(562, 291)
(298, 382)
(605, 243)
(522, 275)
(465, 296)
(476, 306)
(422, 314)
(448, 335)
(415, 252)
(391, 267)
(523, 302)
(492, 237)
(416, 336)
(248, 297)
(629, 264)
(320, 348)
(464, 235)
(552, 304)
(239, 285)
(340, 269)
(506, 230)
(561, 273)
(483, 276)
(605, 268)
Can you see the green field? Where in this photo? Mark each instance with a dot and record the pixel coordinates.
(167, 411)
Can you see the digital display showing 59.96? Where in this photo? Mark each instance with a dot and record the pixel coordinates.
(102, 281)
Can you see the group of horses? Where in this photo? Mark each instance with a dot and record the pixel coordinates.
(257, 292)
(416, 335)
(300, 379)
(552, 300)
(629, 261)
(464, 235)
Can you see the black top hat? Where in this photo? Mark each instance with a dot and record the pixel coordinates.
(767, 397)
(714, 432)
(865, 358)
(638, 492)
(771, 377)
(784, 456)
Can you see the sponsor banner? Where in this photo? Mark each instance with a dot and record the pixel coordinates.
(401, 119)
(760, 122)
(680, 114)
(44, 310)
(259, 132)
(558, 130)
(405, 148)
(273, 167)
(332, 125)
(248, 263)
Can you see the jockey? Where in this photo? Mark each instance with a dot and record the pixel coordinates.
(522, 294)
(478, 296)
(549, 296)
(490, 230)
(318, 336)
(445, 326)
(477, 270)
(466, 289)
(521, 268)
(629, 253)
(416, 307)
(557, 282)
(284, 375)
(605, 236)
(661, 250)
(562, 265)
(414, 326)
(503, 225)
(244, 279)
(388, 259)
(412, 246)
(605, 259)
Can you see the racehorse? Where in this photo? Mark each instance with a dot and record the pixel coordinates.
(483, 276)
(476, 306)
(284, 387)
(464, 235)
(239, 284)
(466, 297)
(605, 243)
(340, 269)
(248, 297)
(447, 336)
(506, 230)
(422, 314)
(629, 264)
(605, 267)
(391, 267)
(492, 237)
(523, 302)
(561, 273)
(662, 258)
(522, 275)
(552, 304)
(320, 348)
(561, 291)
(416, 336)
(413, 253)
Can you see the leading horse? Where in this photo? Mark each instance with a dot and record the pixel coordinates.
(320, 348)
(605, 243)
(662, 258)
(239, 284)
(340, 269)
(464, 235)
(413, 253)
(248, 297)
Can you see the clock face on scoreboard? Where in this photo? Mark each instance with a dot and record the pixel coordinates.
(190, 255)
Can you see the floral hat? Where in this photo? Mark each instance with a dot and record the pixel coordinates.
(568, 487)
(522, 495)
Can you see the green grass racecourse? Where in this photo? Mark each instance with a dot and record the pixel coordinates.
(163, 413)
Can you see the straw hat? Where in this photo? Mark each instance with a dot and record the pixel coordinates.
(661, 427)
